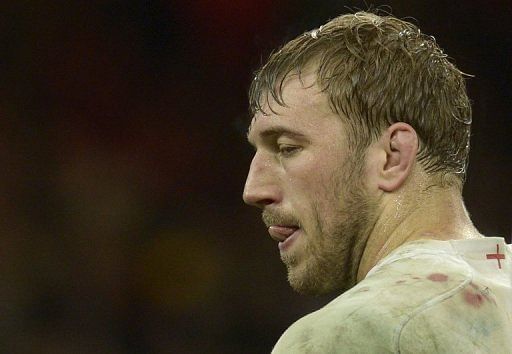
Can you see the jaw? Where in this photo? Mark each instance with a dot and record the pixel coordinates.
(328, 259)
(309, 271)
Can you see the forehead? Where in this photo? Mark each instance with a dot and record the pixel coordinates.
(305, 107)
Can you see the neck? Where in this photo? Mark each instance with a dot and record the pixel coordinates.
(408, 215)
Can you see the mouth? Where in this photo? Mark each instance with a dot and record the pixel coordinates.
(284, 234)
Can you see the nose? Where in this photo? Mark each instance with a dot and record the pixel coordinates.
(261, 187)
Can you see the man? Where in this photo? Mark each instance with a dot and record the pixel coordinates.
(361, 130)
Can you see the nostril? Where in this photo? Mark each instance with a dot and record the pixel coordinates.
(261, 203)
(266, 201)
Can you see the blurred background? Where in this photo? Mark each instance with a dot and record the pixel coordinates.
(124, 157)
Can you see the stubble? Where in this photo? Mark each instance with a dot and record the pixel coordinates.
(333, 251)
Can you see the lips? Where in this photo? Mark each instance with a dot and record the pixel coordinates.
(286, 235)
(281, 233)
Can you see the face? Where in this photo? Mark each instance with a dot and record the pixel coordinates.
(310, 187)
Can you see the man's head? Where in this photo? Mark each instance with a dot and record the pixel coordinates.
(308, 182)
(341, 116)
(377, 71)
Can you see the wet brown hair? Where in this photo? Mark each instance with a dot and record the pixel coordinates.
(378, 70)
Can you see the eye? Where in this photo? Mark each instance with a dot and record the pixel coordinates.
(288, 150)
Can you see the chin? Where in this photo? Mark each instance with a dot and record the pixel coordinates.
(311, 277)
(307, 283)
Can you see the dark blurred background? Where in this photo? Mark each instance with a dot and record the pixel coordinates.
(123, 162)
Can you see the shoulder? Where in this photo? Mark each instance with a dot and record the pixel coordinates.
(371, 316)
(340, 329)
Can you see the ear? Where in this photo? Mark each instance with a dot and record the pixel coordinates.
(399, 144)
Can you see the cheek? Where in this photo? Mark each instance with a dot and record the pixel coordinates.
(316, 195)
(314, 180)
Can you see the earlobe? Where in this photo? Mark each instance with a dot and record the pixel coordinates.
(400, 143)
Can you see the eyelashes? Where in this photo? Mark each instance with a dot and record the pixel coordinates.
(285, 150)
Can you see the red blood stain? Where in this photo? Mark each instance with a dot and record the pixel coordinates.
(438, 277)
(484, 292)
(475, 300)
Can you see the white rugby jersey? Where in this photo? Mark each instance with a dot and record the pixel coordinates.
(427, 296)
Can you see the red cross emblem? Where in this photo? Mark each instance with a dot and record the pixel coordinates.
(496, 255)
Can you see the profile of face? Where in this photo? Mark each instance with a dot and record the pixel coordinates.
(310, 186)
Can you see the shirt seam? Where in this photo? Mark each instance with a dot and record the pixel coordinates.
(431, 303)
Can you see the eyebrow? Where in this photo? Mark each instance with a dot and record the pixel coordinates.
(278, 131)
